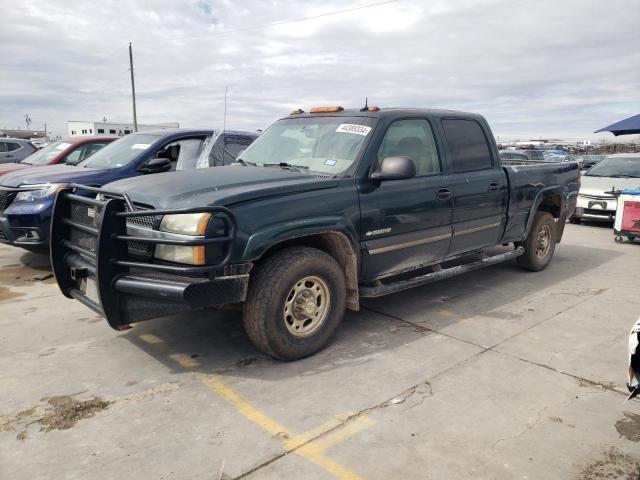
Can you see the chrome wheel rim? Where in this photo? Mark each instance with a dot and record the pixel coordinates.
(307, 306)
(543, 242)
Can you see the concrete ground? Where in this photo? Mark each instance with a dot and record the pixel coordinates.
(497, 374)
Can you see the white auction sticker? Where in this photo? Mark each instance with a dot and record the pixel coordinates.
(140, 146)
(353, 128)
(62, 146)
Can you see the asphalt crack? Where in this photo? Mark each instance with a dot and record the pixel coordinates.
(523, 432)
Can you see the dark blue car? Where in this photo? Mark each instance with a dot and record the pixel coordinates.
(27, 197)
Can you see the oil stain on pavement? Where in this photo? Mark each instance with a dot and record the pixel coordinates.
(54, 413)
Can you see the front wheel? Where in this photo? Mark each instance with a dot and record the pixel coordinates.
(296, 300)
(540, 244)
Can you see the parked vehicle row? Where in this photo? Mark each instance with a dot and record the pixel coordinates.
(15, 149)
(323, 209)
(68, 152)
(616, 172)
(27, 194)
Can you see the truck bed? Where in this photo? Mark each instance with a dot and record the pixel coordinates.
(528, 182)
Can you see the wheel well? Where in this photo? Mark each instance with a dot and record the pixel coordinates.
(339, 247)
(554, 204)
(551, 203)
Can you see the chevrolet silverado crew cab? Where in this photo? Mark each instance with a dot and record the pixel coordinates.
(323, 209)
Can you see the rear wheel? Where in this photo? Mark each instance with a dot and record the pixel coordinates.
(575, 220)
(540, 245)
(295, 302)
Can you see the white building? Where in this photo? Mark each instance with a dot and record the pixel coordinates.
(78, 128)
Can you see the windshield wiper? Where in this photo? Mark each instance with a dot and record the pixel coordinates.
(297, 168)
(244, 163)
(621, 176)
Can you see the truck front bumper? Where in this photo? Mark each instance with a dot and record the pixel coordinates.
(142, 295)
(93, 264)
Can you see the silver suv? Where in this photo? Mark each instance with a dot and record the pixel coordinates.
(15, 149)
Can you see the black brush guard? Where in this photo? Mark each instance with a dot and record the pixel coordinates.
(90, 249)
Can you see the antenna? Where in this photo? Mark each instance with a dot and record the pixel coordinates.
(366, 105)
(224, 120)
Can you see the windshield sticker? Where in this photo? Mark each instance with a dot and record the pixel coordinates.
(352, 128)
(330, 162)
(140, 146)
(62, 146)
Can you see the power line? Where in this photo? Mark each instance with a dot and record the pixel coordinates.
(275, 24)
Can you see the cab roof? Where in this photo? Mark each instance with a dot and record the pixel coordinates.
(387, 112)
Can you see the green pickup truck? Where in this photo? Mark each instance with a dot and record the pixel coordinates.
(323, 209)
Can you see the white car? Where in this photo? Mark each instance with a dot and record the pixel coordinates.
(616, 172)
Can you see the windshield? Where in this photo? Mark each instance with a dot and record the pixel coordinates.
(317, 144)
(620, 167)
(120, 152)
(45, 155)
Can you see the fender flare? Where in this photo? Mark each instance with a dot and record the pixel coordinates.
(343, 246)
(540, 196)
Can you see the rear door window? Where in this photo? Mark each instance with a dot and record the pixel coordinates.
(468, 147)
(12, 146)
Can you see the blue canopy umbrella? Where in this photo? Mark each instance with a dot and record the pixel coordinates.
(628, 126)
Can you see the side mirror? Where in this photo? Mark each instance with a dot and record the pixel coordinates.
(394, 168)
(156, 165)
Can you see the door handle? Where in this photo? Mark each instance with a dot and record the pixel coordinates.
(494, 186)
(443, 194)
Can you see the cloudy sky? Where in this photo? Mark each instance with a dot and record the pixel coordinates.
(533, 68)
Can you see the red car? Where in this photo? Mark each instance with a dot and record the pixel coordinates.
(70, 151)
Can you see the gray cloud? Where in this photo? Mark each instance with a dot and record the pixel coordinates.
(541, 68)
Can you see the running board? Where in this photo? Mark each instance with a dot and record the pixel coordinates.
(380, 290)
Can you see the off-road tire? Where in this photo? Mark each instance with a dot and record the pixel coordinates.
(531, 260)
(270, 286)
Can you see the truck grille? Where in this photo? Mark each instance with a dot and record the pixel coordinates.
(145, 221)
(90, 216)
(141, 249)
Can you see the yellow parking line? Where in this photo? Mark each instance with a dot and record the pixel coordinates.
(303, 445)
(350, 429)
(266, 423)
(307, 436)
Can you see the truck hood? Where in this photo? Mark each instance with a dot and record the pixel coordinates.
(598, 185)
(217, 186)
(51, 174)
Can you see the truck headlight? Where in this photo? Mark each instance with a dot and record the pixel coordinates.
(38, 192)
(193, 224)
(185, 223)
(181, 254)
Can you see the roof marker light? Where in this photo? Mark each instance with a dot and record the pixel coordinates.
(337, 108)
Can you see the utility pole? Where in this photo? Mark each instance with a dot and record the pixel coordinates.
(224, 120)
(133, 90)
